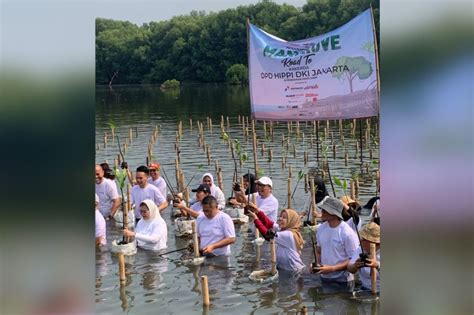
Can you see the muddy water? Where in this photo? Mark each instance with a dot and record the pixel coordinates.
(164, 285)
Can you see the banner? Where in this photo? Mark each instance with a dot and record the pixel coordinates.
(332, 76)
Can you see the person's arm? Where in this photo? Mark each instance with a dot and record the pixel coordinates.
(98, 240)
(160, 200)
(331, 268)
(153, 237)
(240, 196)
(115, 206)
(223, 242)
(186, 210)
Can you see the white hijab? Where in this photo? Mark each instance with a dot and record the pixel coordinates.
(154, 212)
(213, 186)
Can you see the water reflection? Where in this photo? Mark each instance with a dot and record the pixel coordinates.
(162, 283)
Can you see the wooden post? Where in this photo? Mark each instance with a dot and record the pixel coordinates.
(220, 181)
(195, 239)
(228, 122)
(306, 183)
(205, 291)
(313, 200)
(356, 189)
(334, 151)
(346, 158)
(352, 188)
(122, 276)
(255, 163)
(273, 253)
(289, 192)
(270, 155)
(373, 270)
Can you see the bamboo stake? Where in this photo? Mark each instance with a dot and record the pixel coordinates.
(122, 276)
(346, 158)
(255, 163)
(228, 122)
(220, 180)
(270, 155)
(373, 270)
(273, 253)
(205, 291)
(352, 189)
(289, 192)
(195, 239)
(314, 208)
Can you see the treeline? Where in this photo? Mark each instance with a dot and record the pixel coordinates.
(201, 47)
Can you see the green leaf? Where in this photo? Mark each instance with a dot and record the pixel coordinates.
(344, 184)
(337, 181)
(300, 174)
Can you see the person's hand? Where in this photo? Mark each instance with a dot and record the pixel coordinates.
(128, 233)
(208, 249)
(233, 201)
(252, 215)
(314, 267)
(252, 207)
(124, 165)
(371, 263)
(325, 269)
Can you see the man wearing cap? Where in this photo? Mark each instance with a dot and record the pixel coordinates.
(106, 189)
(143, 190)
(155, 178)
(265, 201)
(215, 229)
(370, 233)
(100, 229)
(336, 243)
(196, 208)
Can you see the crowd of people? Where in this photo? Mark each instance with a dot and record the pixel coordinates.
(342, 241)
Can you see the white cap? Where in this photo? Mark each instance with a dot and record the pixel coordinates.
(265, 181)
(96, 198)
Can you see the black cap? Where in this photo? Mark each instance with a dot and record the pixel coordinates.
(204, 188)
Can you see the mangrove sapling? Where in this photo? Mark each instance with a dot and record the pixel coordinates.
(121, 176)
(325, 155)
(300, 176)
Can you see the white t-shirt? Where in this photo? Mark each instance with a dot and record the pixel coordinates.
(151, 234)
(364, 272)
(268, 205)
(160, 184)
(100, 227)
(213, 230)
(286, 253)
(149, 192)
(351, 223)
(107, 192)
(337, 245)
(196, 206)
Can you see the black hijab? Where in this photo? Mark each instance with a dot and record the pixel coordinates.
(251, 179)
(320, 189)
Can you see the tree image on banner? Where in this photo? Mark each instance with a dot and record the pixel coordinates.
(358, 67)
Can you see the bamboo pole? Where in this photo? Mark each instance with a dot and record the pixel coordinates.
(352, 189)
(254, 137)
(289, 192)
(219, 179)
(228, 122)
(270, 155)
(273, 254)
(313, 200)
(205, 291)
(195, 239)
(373, 270)
(122, 276)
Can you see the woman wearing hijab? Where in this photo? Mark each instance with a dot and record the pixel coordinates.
(250, 189)
(350, 212)
(288, 240)
(151, 233)
(208, 180)
(320, 192)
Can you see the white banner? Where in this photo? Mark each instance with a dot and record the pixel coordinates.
(332, 76)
